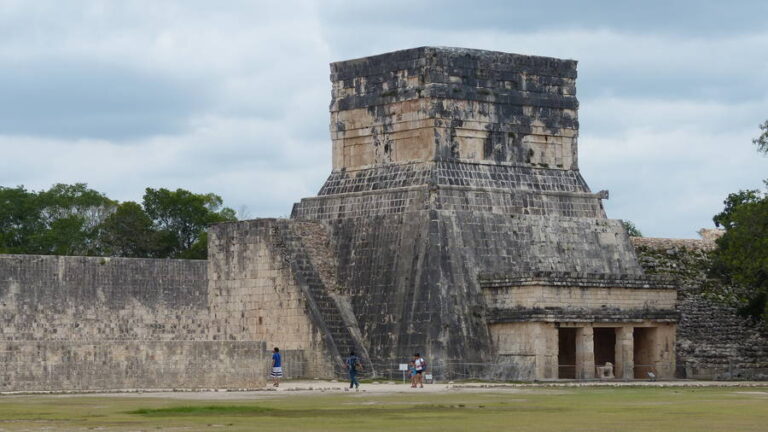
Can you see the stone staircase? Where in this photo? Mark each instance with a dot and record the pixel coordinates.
(305, 247)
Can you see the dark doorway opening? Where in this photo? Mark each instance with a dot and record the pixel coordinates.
(605, 345)
(566, 353)
(644, 338)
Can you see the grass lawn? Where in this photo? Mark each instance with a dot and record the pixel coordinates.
(530, 409)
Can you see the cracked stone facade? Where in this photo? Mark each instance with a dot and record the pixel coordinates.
(455, 223)
(84, 323)
(452, 167)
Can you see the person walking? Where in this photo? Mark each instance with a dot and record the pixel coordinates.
(277, 367)
(412, 373)
(421, 367)
(353, 364)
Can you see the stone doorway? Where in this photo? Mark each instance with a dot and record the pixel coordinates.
(605, 345)
(566, 353)
(644, 352)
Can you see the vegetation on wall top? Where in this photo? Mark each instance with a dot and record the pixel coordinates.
(76, 220)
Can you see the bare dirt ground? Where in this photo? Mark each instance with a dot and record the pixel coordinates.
(309, 387)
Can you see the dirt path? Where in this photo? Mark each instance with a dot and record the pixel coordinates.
(390, 387)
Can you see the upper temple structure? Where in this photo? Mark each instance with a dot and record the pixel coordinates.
(454, 105)
(455, 223)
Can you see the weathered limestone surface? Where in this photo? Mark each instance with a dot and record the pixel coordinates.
(100, 323)
(275, 280)
(525, 350)
(625, 353)
(572, 297)
(585, 352)
(528, 313)
(434, 103)
(53, 365)
(450, 164)
(455, 223)
(712, 340)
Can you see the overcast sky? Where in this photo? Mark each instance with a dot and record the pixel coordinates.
(232, 97)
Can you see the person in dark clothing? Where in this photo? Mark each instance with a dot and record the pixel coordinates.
(353, 364)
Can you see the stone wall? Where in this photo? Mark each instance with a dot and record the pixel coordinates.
(274, 280)
(525, 351)
(713, 341)
(110, 323)
(52, 365)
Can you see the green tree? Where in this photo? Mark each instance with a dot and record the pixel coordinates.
(129, 232)
(632, 230)
(182, 217)
(741, 257)
(734, 202)
(61, 220)
(20, 219)
(76, 220)
(71, 215)
(762, 141)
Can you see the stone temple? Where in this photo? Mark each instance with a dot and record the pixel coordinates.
(455, 223)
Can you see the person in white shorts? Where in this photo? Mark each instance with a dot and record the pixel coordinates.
(277, 367)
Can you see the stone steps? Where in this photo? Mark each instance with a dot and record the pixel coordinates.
(301, 241)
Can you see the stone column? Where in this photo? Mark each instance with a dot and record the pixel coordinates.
(585, 353)
(625, 353)
(548, 351)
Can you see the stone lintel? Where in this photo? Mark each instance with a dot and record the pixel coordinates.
(605, 315)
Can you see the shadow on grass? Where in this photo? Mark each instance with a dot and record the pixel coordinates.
(246, 410)
(202, 410)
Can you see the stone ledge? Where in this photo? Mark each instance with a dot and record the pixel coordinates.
(435, 56)
(577, 280)
(446, 91)
(604, 315)
(664, 244)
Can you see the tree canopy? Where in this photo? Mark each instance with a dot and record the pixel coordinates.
(76, 220)
(632, 229)
(741, 257)
(762, 141)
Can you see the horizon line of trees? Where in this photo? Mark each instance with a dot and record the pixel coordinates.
(76, 220)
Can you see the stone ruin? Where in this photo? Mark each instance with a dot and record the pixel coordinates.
(455, 223)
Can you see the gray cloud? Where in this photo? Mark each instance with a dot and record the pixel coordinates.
(707, 18)
(232, 97)
(62, 98)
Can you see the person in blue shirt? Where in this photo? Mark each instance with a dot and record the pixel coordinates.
(353, 364)
(277, 367)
